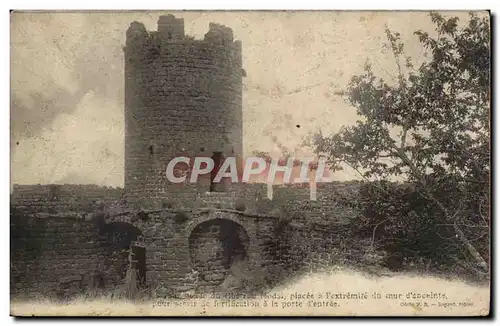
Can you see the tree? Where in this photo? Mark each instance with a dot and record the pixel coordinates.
(429, 128)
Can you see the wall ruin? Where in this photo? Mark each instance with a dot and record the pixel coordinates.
(92, 248)
(183, 97)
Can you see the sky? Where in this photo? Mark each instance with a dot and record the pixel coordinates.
(67, 94)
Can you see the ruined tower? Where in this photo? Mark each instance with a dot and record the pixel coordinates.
(182, 97)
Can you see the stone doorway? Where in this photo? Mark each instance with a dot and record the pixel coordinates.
(138, 263)
(214, 246)
(125, 251)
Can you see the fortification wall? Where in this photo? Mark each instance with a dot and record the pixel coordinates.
(54, 198)
(87, 254)
(183, 97)
(62, 256)
(334, 201)
(53, 256)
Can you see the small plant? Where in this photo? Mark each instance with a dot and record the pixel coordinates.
(181, 217)
(143, 216)
(282, 222)
(168, 204)
(240, 205)
(148, 203)
(206, 210)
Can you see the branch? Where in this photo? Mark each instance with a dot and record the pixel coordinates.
(396, 56)
(444, 238)
(402, 86)
(399, 152)
(476, 181)
(375, 229)
(384, 70)
(469, 267)
(466, 225)
(403, 137)
(481, 213)
(470, 248)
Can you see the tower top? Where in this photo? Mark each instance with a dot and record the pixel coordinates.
(218, 33)
(170, 27)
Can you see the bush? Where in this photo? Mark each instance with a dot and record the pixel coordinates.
(400, 221)
(181, 217)
(143, 216)
(168, 204)
(240, 205)
(265, 206)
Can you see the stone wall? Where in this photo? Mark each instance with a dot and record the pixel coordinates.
(183, 97)
(53, 256)
(61, 256)
(55, 198)
(213, 247)
(336, 201)
(312, 246)
(168, 235)
(90, 254)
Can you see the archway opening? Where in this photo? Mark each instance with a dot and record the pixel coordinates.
(138, 262)
(214, 247)
(125, 252)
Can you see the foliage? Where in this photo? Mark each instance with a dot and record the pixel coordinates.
(428, 128)
(240, 205)
(394, 226)
(181, 217)
(168, 204)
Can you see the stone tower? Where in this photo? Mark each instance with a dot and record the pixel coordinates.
(183, 97)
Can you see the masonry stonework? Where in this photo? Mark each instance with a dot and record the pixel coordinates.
(62, 256)
(182, 97)
(185, 247)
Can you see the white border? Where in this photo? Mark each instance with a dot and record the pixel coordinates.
(184, 5)
(262, 5)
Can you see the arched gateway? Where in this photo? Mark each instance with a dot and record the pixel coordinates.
(214, 246)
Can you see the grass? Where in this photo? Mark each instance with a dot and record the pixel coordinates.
(461, 299)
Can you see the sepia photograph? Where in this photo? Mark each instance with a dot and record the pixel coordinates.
(250, 163)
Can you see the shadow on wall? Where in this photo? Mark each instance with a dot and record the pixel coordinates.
(124, 252)
(214, 246)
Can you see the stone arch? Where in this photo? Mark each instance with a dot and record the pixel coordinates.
(217, 214)
(124, 251)
(138, 219)
(214, 246)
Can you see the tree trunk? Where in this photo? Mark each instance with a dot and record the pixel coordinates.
(461, 236)
(470, 248)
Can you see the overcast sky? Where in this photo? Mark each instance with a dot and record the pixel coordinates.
(67, 82)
